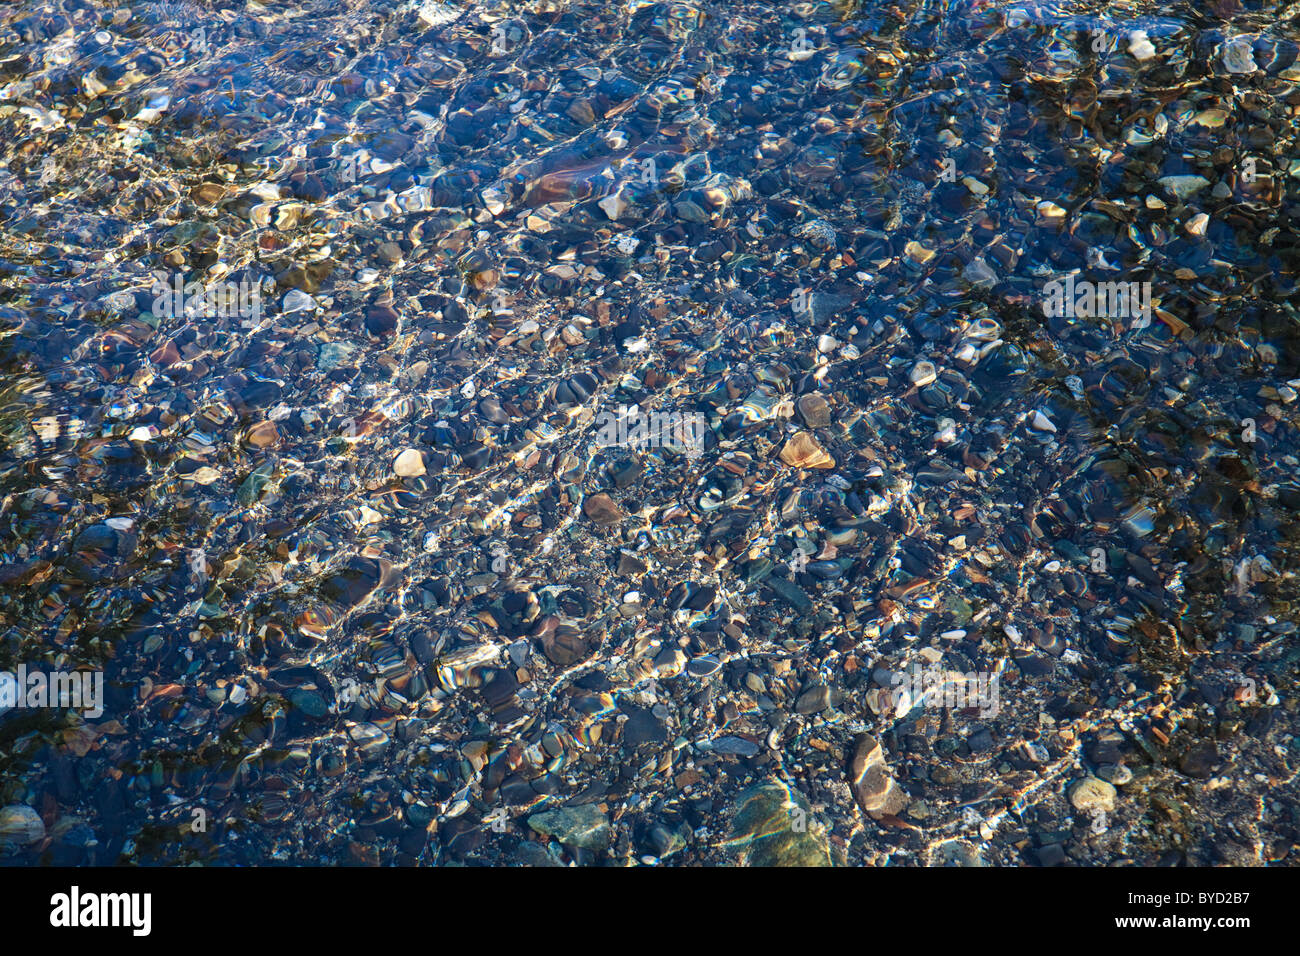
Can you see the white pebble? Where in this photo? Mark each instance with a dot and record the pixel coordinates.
(1042, 423)
(1139, 46)
(409, 464)
(295, 300)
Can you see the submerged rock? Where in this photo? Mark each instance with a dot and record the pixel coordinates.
(409, 464)
(20, 826)
(803, 451)
(602, 510)
(774, 826)
(874, 787)
(1090, 794)
(585, 826)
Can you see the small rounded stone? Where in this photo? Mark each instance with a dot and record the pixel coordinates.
(409, 464)
(1090, 793)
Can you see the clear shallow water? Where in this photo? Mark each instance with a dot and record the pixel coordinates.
(463, 232)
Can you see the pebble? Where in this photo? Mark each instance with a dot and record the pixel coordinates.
(20, 826)
(1140, 46)
(875, 789)
(1238, 55)
(813, 701)
(1042, 423)
(774, 826)
(979, 273)
(813, 410)
(791, 593)
(263, 435)
(737, 746)
(1200, 760)
(602, 509)
(584, 826)
(703, 666)
(409, 464)
(923, 373)
(1117, 774)
(803, 451)
(1183, 187)
(614, 205)
(296, 300)
(959, 853)
(1091, 794)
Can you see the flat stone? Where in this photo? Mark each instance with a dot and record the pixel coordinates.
(737, 746)
(584, 827)
(264, 435)
(296, 300)
(803, 451)
(979, 273)
(581, 111)
(874, 787)
(602, 510)
(20, 825)
(690, 212)
(642, 727)
(332, 355)
(774, 826)
(813, 701)
(813, 410)
(791, 593)
(1184, 186)
(825, 306)
(1238, 55)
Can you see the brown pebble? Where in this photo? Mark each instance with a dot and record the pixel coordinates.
(264, 435)
(564, 645)
(802, 451)
(602, 510)
(208, 193)
(813, 410)
(581, 111)
(874, 788)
